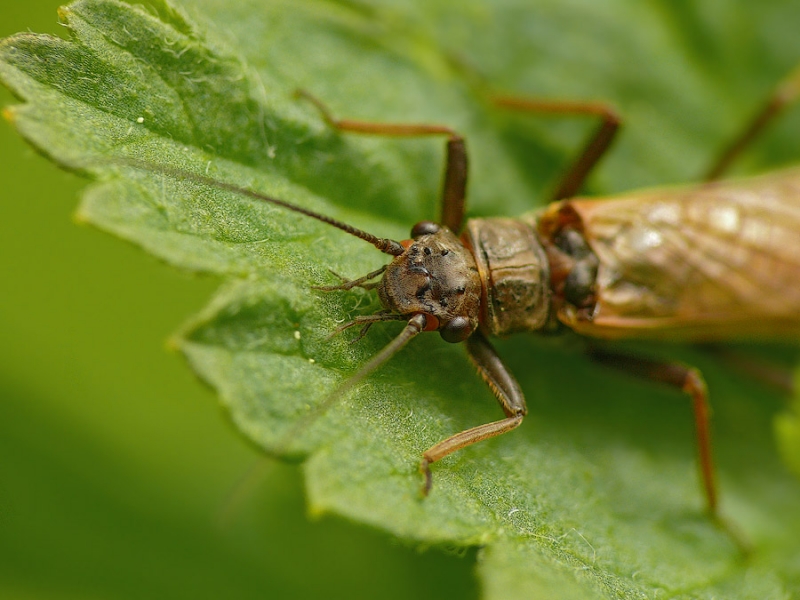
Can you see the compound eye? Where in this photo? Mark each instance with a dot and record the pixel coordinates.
(424, 228)
(457, 330)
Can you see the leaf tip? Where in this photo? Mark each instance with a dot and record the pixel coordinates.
(315, 511)
(80, 218)
(173, 343)
(63, 13)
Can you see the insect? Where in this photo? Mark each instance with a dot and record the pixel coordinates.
(709, 262)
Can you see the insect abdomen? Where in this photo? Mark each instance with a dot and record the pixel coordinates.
(708, 262)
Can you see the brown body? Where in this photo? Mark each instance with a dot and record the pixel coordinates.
(709, 262)
(713, 261)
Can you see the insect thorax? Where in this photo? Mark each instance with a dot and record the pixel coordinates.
(514, 272)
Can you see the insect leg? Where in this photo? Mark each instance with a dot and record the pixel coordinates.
(366, 321)
(688, 380)
(786, 92)
(362, 282)
(595, 147)
(508, 394)
(779, 378)
(455, 175)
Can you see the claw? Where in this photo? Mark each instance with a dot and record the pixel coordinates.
(425, 470)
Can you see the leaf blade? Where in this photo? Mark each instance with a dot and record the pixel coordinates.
(478, 494)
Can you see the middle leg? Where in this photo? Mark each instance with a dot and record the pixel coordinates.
(595, 148)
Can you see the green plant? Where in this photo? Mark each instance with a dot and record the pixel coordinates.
(595, 494)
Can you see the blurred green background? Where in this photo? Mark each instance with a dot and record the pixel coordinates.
(115, 462)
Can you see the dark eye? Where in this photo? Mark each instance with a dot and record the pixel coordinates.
(457, 330)
(424, 228)
(427, 251)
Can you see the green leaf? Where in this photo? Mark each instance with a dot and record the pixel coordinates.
(787, 431)
(595, 495)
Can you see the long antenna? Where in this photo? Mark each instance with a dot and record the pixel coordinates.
(414, 327)
(385, 245)
(243, 487)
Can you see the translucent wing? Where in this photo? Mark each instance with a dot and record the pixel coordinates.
(715, 261)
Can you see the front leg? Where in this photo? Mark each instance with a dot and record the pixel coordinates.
(508, 394)
(454, 187)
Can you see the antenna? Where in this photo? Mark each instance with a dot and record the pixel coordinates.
(385, 245)
(414, 327)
